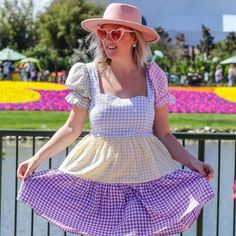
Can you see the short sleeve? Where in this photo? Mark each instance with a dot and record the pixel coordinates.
(160, 85)
(78, 82)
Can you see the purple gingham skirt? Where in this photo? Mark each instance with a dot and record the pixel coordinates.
(164, 206)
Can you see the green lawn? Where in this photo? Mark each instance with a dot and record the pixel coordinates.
(52, 120)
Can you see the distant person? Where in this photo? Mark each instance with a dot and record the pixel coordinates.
(33, 73)
(231, 74)
(7, 70)
(218, 75)
(27, 68)
(121, 179)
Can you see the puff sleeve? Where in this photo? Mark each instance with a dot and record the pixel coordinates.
(78, 82)
(160, 85)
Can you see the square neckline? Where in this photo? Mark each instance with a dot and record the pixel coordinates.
(98, 79)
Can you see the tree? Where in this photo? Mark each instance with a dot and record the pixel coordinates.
(179, 45)
(207, 42)
(59, 27)
(164, 46)
(48, 57)
(230, 42)
(16, 24)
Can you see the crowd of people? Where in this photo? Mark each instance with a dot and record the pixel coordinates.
(231, 75)
(29, 72)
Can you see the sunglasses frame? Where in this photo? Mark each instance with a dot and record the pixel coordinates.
(123, 31)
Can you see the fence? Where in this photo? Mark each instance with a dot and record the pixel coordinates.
(199, 139)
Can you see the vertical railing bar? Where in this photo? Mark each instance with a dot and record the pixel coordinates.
(67, 152)
(16, 186)
(201, 154)
(1, 157)
(218, 188)
(234, 211)
(48, 224)
(32, 212)
(183, 143)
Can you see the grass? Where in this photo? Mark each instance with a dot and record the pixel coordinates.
(218, 122)
(53, 120)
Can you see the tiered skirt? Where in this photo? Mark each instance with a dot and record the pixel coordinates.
(102, 189)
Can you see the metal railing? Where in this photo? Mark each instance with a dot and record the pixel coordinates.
(200, 138)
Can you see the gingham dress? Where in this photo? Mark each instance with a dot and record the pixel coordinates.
(120, 179)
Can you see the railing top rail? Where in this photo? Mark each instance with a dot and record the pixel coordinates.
(180, 135)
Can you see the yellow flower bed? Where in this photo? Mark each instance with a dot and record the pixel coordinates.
(227, 93)
(20, 92)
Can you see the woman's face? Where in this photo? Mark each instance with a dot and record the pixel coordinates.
(117, 40)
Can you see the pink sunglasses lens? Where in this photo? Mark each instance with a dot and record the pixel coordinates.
(102, 34)
(116, 35)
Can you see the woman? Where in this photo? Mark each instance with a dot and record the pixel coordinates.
(121, 178)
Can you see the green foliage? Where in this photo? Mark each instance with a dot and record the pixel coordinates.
(17, 29)
(179, 46)
(79, 54)
(163, 45)
(48, 57)
(59, 27)
(207, 41)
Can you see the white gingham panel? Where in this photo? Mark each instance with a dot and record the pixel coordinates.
(111, 116)
(160, 85)
(78, 82)
(119, 160)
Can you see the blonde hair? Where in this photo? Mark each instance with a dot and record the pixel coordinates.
(141, 52)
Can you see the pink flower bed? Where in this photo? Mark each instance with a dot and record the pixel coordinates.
(187, 101)
(200, 102)
(50, 101)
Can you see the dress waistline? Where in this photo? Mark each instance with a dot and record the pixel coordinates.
(122, 134)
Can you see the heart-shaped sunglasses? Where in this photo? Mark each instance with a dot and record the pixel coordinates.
(115, 34)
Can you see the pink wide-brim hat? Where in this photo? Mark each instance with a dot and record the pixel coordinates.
(122, 14)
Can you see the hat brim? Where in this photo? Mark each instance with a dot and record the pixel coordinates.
(149, 34)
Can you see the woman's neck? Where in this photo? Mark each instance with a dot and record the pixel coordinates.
(124, 66)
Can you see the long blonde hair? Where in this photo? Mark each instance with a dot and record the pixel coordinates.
(141, 52)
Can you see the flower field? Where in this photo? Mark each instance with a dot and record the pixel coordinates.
(43, 96)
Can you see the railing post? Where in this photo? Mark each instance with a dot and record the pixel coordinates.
(218, 189)
(201, 155)
(16, 185)
(1, 157)
(234, 178)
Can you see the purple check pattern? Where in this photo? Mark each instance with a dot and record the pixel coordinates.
(157, 207)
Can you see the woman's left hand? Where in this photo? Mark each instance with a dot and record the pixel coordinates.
(203, 168)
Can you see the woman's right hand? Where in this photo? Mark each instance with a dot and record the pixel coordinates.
(27, 167)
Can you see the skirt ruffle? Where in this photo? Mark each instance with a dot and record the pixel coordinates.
(163, 206)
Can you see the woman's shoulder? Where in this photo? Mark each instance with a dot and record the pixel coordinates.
(156, 73)
(78, 74)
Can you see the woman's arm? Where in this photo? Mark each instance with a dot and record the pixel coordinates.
(177, 151)
(64, 136)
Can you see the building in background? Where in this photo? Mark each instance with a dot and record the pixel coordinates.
(188, 16)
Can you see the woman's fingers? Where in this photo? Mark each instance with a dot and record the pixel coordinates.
(209, 171)
(21, 171)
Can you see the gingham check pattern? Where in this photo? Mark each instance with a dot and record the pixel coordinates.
(111, 116)
(160, 85)
(134, 206)
(78, 82)
(160, 207)
(119, 160)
